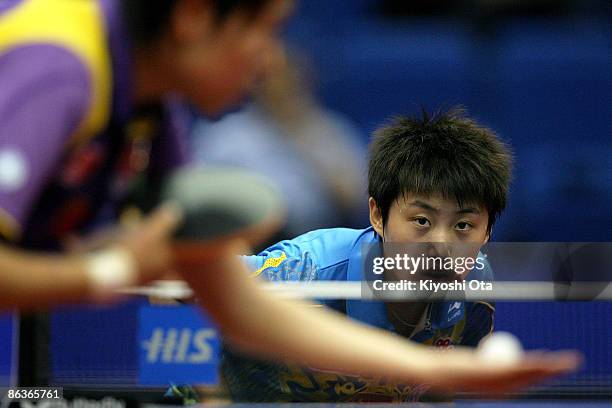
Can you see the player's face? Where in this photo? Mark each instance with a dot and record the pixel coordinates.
(434, 226)
(420, 219)
(221, 61)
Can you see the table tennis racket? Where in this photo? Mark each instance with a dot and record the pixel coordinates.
(223, 203)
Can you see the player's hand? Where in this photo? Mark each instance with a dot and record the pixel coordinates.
(462, 370)
(149, 242)
(191, 259)
(99, 239)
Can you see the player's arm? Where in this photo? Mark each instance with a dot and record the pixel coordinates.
(40, 107)
(28, 279)
(33, 280)
(273, 328)
(314, 256)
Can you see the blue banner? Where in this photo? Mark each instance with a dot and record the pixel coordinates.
(177, 345)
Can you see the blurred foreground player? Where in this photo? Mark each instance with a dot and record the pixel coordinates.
(431, 179)
(86, 109)
(73, 74)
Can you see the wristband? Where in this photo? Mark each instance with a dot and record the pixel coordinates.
(110, 269)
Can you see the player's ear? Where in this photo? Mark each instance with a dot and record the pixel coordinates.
(376, 219)
(487, 236)
(191, 20)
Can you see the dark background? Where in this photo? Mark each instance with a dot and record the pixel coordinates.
(537, 72)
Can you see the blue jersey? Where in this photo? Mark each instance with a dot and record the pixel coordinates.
(336, 255)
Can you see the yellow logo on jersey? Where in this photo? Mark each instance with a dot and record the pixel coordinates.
(270, 263)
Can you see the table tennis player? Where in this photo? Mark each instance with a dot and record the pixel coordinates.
(439, 178)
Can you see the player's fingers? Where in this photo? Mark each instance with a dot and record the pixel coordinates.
(95, 241)
(533, 369)
(163, 220)
(492, 379)
(557, 362)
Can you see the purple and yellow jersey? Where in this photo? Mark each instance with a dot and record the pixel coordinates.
(336, 254)
(68, 144)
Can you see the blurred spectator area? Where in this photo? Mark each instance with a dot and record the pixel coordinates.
(537, 72)
(315, 156)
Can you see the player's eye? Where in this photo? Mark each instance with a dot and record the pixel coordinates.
(421, 222)
(463, 226)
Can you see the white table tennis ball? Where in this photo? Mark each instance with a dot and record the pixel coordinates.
(500, 348)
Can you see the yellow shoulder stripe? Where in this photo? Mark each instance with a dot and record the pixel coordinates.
(269, 263)
(78, 26)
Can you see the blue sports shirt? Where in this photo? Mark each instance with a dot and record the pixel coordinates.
(336, 255)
